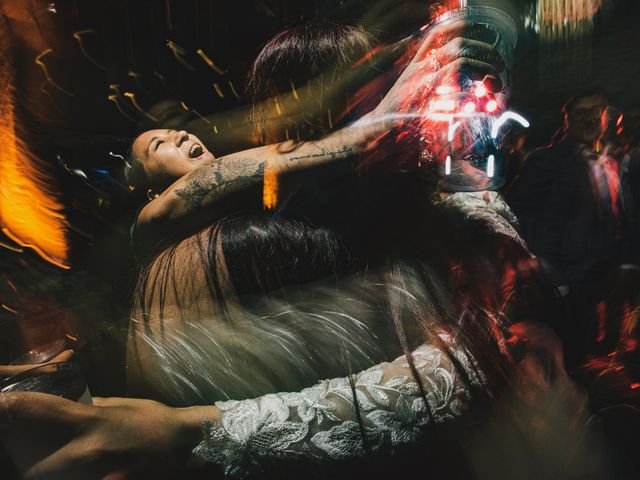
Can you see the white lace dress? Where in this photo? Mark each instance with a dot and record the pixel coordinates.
(322, 422)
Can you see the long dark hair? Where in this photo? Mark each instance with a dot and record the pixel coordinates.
(277, 304)
(303, 80)
(277, 301)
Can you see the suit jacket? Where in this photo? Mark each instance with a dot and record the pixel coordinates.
(630, 183)
(567, 200)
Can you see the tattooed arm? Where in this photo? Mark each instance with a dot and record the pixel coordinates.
(234, 182)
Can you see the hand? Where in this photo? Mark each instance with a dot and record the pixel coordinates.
(540, 371)
(443, 57)
(50, 437)
(11, 370)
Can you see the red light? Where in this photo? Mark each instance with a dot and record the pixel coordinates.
(443, 105)
(480, 90)
(491, 106)
(634, 386)
(445, 89)
(469, 107)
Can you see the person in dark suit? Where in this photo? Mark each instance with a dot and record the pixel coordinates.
(630, 178)
(568, 202)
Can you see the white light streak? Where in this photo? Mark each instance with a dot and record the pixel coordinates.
(506, 116)
(491, 166)
(452, 130)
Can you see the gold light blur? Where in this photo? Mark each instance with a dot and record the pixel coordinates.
(30, 214)
(562, 18)
(270, 189)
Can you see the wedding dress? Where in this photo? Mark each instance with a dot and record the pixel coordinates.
(338, 419)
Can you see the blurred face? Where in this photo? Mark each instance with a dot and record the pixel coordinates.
(168, 155)
(587, 119)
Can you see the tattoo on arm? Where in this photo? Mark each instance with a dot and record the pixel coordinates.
(210, 182)
(344, 152)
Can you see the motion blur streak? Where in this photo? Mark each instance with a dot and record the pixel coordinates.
(561, 18)
(30, 213)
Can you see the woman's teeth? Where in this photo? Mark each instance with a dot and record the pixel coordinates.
(195, 150)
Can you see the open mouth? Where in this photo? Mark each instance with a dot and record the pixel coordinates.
(196, 150)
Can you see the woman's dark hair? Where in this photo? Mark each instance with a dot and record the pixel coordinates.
(264, 290)
(134, 172)
(289, 293)
(240, 258)
(298, 82)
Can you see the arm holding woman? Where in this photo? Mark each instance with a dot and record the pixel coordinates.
(203, 189)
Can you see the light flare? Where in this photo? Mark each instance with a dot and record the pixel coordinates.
(491, 106)
(270, 189)
(445, 89)
(480, 90)
(505, 117)
(30, 213)
(491, 165)
(443, 105)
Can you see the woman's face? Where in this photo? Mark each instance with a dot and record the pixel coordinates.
(168, 155)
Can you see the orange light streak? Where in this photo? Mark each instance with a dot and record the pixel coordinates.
(11, 247)
(233, 89)
(30, 212)
(218, 90)
(114, 99)
(178, 54)
(209, 62)
(270, 189)
(560, 19)
(8, 309)
(132, 96)
(45, 70)
(293, 90)
(78, 36)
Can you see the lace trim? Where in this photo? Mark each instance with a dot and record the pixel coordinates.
(320, 422)
(489, 208)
